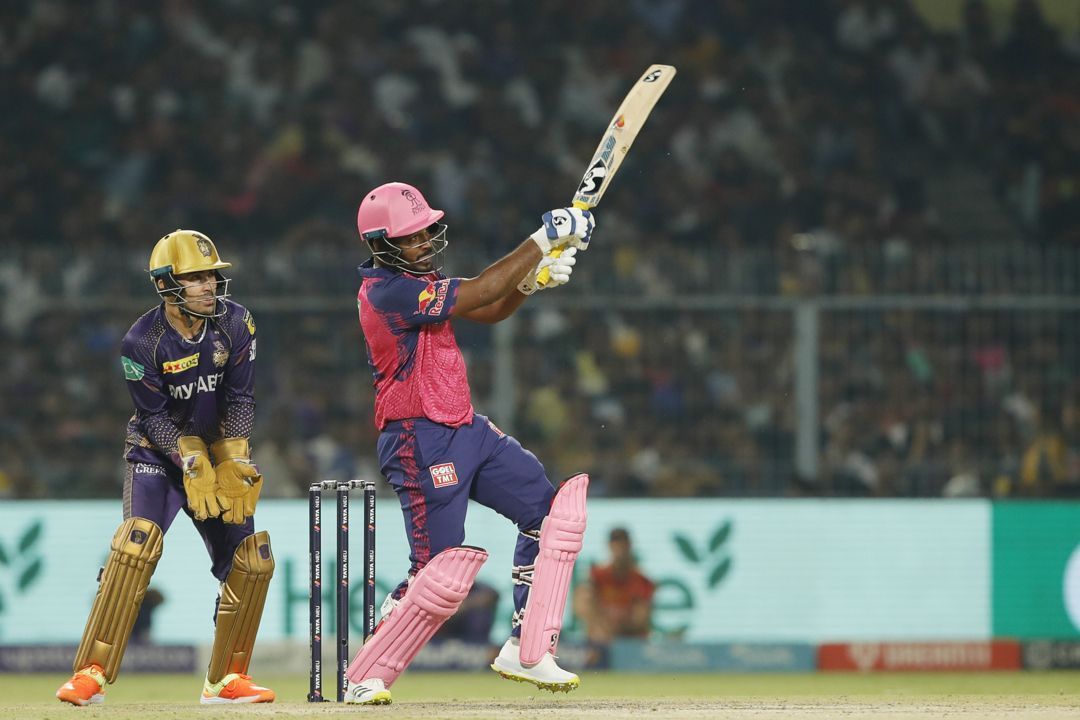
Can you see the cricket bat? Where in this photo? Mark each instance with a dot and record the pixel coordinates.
(620, 135)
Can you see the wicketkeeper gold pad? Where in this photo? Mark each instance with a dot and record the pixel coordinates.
(136, 548)
(243, 595)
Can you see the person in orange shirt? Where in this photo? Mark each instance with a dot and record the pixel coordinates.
(616, 602)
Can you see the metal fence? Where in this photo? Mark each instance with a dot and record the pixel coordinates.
(892, 395)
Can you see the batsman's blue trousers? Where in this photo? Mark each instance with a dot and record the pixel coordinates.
(436, 469)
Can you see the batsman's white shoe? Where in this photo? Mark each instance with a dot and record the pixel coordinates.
(546, 674)
(369, 692)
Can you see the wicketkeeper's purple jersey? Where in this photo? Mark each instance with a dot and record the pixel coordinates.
(180, 387)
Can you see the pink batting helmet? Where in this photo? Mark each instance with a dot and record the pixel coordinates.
(394, 210)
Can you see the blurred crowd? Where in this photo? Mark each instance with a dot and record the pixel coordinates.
(913, 403)
(795, 155)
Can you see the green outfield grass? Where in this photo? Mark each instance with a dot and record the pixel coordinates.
(602, 695)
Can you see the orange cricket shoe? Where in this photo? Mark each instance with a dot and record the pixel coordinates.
(233, 689)
(86, 687)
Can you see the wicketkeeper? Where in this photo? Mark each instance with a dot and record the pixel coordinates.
(437, 453)
(188, 364)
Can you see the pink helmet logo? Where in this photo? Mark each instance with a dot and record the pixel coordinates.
(418, 205)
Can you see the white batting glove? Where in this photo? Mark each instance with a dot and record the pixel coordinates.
(565, 226)
(560, 268)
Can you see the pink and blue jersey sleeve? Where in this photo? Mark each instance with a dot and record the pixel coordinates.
(416, 301)
(417, 366)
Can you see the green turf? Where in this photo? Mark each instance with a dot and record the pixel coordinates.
(609, 696)
(426, 687)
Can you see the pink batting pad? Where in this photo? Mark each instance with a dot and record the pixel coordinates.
(433, 596)
(561, 535)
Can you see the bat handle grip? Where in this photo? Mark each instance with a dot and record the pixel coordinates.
(544, 276)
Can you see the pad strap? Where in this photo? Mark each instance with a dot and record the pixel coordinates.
(561, 535)
(434, 595)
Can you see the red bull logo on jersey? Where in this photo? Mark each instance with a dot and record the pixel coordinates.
(432, 299)
(443, 475)
(425, 298)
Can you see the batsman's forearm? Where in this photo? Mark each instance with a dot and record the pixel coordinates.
(500, 309)
(503, 276)
(499, 279)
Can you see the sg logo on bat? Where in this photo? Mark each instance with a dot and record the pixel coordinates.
(594, 178)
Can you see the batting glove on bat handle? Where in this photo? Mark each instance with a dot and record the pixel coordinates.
(577, 224)
(557, 266)
(561, 227)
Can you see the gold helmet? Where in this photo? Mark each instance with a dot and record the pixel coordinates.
(187, 251)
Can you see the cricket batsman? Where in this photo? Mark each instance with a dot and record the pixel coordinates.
(437, 452)
(188, 364)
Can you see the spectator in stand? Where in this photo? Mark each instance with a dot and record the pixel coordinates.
(805, 140)
(1044, 466)
(616, 602)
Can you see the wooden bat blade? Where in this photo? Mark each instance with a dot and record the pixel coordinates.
(621, 133)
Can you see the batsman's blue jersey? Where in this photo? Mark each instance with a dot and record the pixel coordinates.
(200, 387)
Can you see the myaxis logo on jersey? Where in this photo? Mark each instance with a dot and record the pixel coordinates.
(204, 384)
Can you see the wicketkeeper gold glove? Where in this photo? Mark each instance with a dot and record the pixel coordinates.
(239, 482)
(200, 481)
